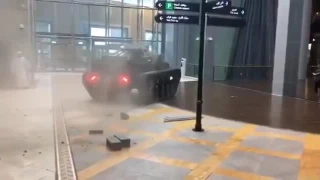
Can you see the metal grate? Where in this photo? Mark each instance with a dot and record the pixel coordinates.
(64, 162)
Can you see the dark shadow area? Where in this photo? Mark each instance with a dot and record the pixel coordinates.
(250, 106)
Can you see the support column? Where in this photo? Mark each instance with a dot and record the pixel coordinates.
(280, 46)
(305, 32)
(290, 57)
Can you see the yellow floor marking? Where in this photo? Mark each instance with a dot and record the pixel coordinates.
(222, 152)
(126, 153)
(167, 161)
(193, 141)
(116, 159)
(269, 153)
(312, 142)
(310, 160)
(274, 135)
(219, 128)
(119, 128)
(240, 175)
(149, 115)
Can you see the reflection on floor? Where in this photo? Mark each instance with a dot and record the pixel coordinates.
(303, 89)
(250, 106)
(188, 79)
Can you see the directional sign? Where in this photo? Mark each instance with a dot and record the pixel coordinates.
(215, 5)
(226, 22)
(234, 11)
(181, 19)
(178, 6)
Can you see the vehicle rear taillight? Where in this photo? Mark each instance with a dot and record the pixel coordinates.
(93, 78)
(124, 80)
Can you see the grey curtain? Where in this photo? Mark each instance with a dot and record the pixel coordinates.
(254, 44)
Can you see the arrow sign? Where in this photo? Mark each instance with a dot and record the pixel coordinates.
(178, 6)
(180, 19)
(233, 11)
(226, 22)
(216, 5)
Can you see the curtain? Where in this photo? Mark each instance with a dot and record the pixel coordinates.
(254, 44)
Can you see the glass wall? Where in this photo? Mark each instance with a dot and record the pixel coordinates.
(237, 56)
(72, 34)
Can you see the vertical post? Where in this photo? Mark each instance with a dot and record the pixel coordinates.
(198, 125)
(73, 49)
(90, 40)
(122, 18)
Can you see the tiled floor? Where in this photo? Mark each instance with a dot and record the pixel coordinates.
(227, 150)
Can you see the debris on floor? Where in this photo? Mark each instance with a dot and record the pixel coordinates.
(95, 132)
(118, 141)
(124, 116)
(178, 118)
(125, 141)
(113, 143)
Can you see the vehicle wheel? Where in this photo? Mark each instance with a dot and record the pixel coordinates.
(95, 96)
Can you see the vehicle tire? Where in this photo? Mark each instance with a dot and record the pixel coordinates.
(95, 96)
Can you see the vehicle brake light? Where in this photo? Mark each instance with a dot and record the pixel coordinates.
(124, 80)
(93, 78)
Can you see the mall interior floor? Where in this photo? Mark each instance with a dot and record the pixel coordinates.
(249, 106)
(233, 145)
(303, 89)
(26, 133)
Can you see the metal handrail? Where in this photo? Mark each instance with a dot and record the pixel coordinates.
(227, 66)
(248, 66)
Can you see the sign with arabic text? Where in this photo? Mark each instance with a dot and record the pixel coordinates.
(180, 19)
(178, 6)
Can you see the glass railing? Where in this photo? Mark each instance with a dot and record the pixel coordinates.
(247, 72)
(227, 73)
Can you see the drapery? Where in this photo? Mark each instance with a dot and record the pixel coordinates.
(254, 44)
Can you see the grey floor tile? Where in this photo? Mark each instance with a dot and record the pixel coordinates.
(243, 161)
(257, 142)
(84, 157)
(209, 135)
(137, 139)
(287, 146)
(142, 169)
(169, 172)
(132, 176)
(220, 177)
(150, 126)
(274, 144)
(279, 168)
(280, 131)
(182, 151)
